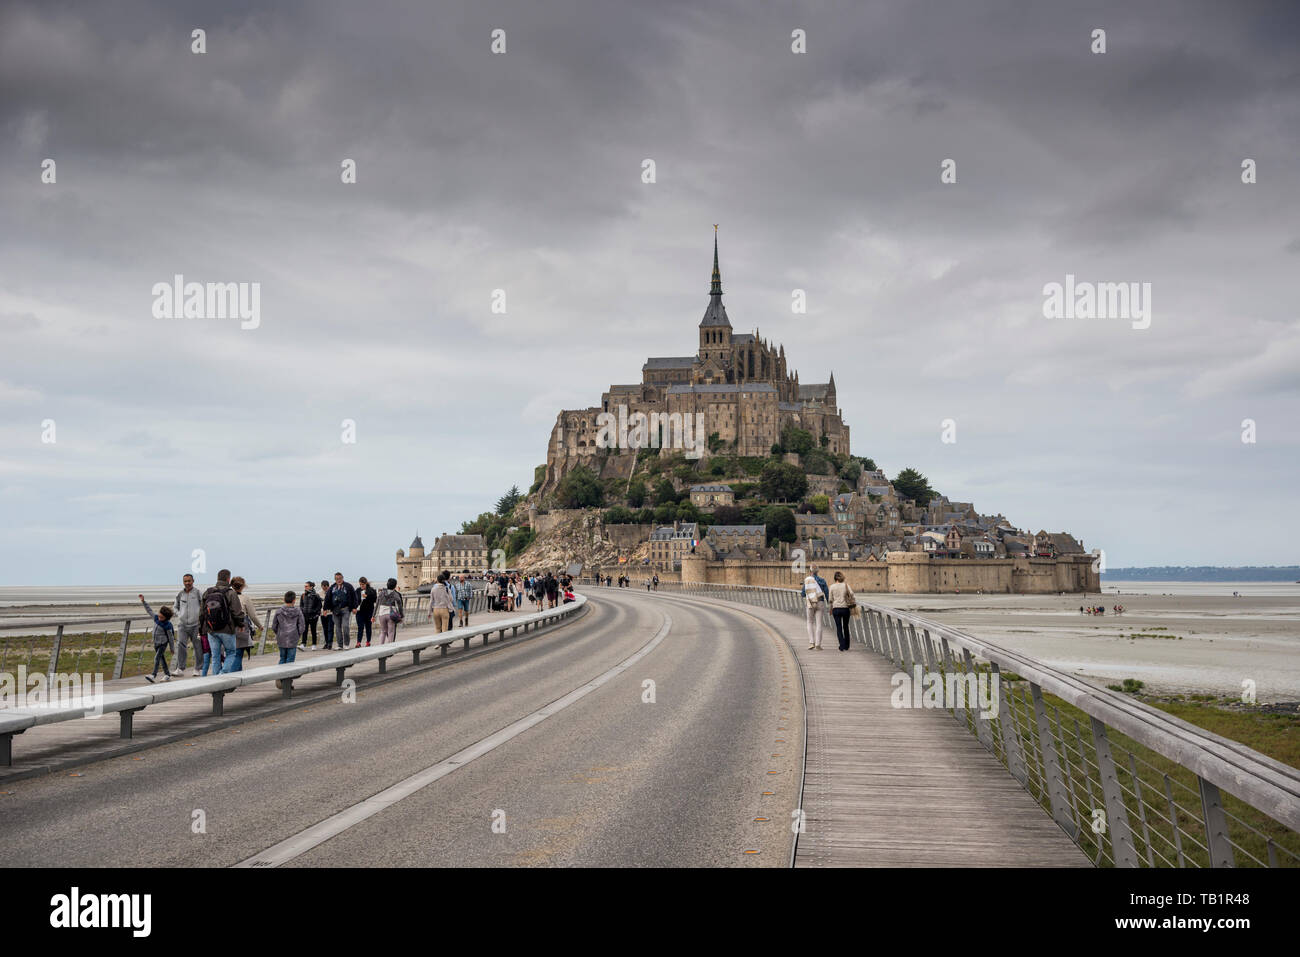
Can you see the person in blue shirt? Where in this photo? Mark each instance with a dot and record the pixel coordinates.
(464, 592)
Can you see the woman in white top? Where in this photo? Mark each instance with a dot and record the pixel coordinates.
(842, 602)
(812, 593)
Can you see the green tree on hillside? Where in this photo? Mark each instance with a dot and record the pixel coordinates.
(579, 489)
(728, 515)
(518, 540)
(687, 512)
(636, 493)
(780, 524)
(782, 482)
(910, 483)
(506, 503)
(797, 440)
(665, 494)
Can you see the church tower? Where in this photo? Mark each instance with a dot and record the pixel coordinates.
(715, 330)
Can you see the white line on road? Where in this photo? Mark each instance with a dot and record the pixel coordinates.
(336, 824)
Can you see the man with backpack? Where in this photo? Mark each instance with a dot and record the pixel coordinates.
(221, 616)
(340, 602)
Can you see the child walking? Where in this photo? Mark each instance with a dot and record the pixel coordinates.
(289, 626)
(164, 639)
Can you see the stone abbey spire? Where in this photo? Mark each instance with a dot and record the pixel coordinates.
(715, 314)
(716, 288)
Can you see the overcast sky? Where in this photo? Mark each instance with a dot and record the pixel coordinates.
(523, 171)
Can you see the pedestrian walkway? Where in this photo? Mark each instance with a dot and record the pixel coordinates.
(905, 787)
(65, 745)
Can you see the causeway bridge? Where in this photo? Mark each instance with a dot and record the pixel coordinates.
(690, 726)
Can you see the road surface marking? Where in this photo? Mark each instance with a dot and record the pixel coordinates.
(336, 824)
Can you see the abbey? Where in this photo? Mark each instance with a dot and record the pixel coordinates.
(738, 383)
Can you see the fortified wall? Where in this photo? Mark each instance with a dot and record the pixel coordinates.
(914, 572)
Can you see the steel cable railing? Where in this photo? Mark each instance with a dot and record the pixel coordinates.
(1136, 788)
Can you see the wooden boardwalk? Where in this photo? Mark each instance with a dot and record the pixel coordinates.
(905, 787)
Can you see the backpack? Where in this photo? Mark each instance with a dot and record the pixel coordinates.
(216, 611)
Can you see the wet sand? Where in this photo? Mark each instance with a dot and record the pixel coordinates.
(1225, 640)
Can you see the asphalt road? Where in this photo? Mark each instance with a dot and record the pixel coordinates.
(609, 780)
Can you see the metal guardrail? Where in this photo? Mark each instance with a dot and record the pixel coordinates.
(127, 703)
(1130, 784)
(131, 652)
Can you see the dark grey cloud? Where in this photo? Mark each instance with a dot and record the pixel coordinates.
(522, 172)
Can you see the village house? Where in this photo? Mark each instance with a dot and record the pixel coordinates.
(668, 543)
(711, 496)
(727, 538)
(456, 553)
(1052, 544)
(847, 510)
(451, 553)
(814, 525)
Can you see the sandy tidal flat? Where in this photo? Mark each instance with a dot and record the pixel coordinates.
(1225, 640)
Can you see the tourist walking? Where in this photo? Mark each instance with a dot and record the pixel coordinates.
(842, 603)
(813, 598)
(207, 655)
(390, 611)
(552, 587)
(164, 637)
(365, 609)
(222, 615)
(188, 604)
(326, 616)
(340, 601)
(442, 603)
(464, 594)
(252, 625)
(289, 625)
(311, 606)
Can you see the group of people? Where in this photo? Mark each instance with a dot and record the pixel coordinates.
(1099, 609)
(843, 604)
(451, 596)
(625, 581)
(220, 625)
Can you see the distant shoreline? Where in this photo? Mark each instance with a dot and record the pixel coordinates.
(1205, 573)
